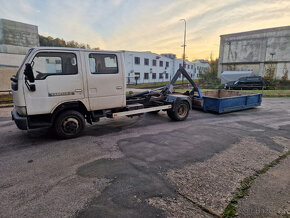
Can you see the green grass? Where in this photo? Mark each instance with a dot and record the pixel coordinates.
(266, 93)
(5, 98)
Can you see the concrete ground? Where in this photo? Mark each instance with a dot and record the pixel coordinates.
(148, 166)
(269, 195)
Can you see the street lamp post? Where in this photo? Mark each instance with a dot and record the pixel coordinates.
(184, 45)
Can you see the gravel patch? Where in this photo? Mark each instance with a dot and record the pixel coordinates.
(213, 182)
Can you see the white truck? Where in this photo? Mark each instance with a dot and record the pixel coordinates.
(63, 88)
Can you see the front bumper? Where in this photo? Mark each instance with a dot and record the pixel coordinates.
(21, 122)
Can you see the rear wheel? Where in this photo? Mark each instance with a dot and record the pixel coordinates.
(181, 111)
(69, 124)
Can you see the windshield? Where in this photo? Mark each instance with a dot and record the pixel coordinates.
(28, 53)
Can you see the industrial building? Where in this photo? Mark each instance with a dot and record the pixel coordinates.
(256, 51)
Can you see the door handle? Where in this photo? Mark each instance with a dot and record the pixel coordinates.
(118, 87)
(78, 90)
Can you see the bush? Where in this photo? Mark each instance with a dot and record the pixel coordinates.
(269, 79)
(271, 83)
(275, 84)
(283, 85)
(285, 74)
(208, 79)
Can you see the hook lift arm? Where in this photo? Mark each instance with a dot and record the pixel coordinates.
(168, 89)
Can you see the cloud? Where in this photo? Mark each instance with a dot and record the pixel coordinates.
(148, 25)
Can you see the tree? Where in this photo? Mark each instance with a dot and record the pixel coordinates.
(285, 73)
(269, 77)
(57, 42)
(208, 78)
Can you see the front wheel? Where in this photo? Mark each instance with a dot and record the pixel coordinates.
(181, 111)
(69, 124)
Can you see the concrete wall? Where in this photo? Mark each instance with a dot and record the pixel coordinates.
(16, 37)
(14, 60)
(255, 50)
(5, 74)
(9, 64)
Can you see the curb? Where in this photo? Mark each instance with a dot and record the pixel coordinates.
(5, 105)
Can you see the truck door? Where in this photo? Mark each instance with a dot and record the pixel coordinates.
(58, 78)
(105, 80)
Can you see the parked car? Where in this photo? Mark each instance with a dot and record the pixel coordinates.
(252, 82)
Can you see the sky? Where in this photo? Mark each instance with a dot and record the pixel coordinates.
(148, 25)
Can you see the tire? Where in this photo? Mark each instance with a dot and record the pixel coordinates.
(180, 113)
(69, 124)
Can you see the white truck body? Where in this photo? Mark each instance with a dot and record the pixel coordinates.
(91, 89)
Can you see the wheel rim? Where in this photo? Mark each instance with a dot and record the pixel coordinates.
(70, 125)
(182, 110)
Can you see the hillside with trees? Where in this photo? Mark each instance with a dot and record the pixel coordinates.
(57, 42)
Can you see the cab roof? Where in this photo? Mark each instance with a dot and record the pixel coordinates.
(72, 49)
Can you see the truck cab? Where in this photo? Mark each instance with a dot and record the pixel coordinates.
(62, 78)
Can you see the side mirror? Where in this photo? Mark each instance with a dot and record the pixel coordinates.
(29, 73)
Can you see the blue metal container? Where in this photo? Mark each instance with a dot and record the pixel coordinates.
(232, 102)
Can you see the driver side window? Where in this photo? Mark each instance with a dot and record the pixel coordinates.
(53, 63)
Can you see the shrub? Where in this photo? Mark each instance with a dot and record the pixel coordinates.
(269, 79)
(208, 79)
(285, 74)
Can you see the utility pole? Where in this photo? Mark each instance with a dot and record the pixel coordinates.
(184, 46)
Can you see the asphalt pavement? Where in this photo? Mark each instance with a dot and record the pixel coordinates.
(148, 166)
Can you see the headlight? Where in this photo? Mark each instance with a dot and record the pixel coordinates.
(21, 110)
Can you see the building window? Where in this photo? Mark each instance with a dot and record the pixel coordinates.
(161, 63)
(179, 65)
(167, 64)
(146, 61)
(166, 75)
(153, 75)
(188, 66)
(153, 62)
(137, 60)
(146, 75)
(160, 75)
